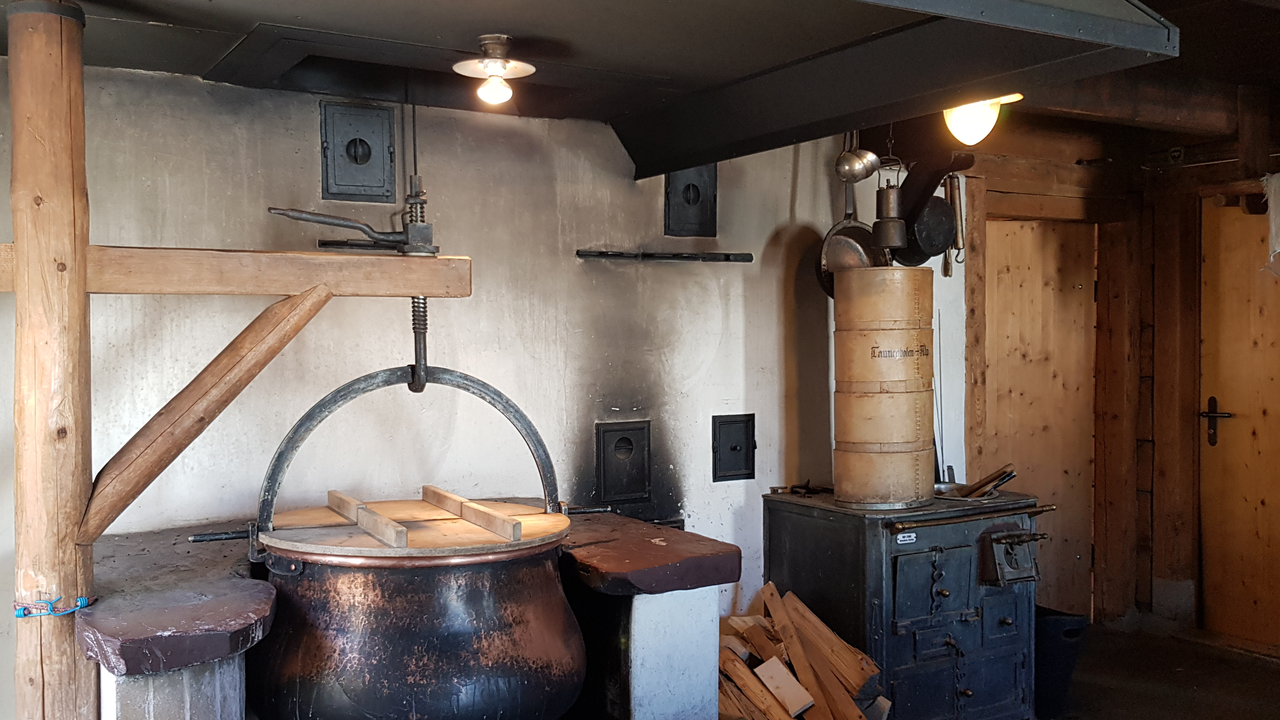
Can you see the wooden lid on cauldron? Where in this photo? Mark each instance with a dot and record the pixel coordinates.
(441, 525)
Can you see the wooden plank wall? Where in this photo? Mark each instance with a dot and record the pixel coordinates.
(1039, 390)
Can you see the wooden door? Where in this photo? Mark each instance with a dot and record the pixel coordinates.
(1039, 388)
(1240, 476)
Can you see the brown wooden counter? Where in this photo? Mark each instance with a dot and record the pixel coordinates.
(616, 555)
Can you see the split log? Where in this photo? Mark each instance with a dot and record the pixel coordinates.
(838, 698)
(740, 701)
(190, 412)
(751, 686)
(764, 647)
(793, 696)
(791, 640)
(852, 667)
(736, 644)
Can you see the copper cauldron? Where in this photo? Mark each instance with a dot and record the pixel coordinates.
(477, 631)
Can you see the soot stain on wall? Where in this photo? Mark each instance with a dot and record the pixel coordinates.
(626, 385)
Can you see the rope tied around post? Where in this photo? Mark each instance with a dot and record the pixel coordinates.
(42, 608)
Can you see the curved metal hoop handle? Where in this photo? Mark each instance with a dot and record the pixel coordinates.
(335, 400)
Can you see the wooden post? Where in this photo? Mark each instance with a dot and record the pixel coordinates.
(975, 350)
(52, 470)
(1116, 421)
(1175, 492)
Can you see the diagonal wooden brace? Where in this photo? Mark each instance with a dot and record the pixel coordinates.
(186, 416)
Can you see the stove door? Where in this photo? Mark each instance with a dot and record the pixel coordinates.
(993, 686)
(933, 587)
(925, 692)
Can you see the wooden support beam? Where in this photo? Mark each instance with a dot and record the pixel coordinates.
(52, 442)
(1176, 426)
(1142, 98)
(1018, 206)
(1116, 419)
(1255, 131)
(182, 271)
(975, 300)
(190, 412)
(1041, 176)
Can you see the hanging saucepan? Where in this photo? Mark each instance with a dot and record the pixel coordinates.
(931, 220)
(929, 233)
(848, 243)
(424, 631)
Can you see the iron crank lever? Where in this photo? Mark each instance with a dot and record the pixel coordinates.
(1213, 416)
(414, 239)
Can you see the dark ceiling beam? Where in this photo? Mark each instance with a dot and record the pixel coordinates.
(1145, 100)
(921, 69)
(1105, 25)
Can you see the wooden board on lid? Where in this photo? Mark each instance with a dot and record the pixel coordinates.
(432, 531)
(397, 510)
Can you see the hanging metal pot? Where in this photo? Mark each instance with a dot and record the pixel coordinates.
(364, 630)
(848, 243)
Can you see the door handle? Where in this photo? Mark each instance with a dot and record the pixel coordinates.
(1213, 416)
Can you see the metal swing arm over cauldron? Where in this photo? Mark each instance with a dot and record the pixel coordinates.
(465, 636)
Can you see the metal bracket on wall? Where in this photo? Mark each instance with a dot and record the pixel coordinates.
(680, 257)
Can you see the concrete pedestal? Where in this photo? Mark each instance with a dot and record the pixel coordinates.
(674, 655)
(209, 691)
(646, 599)
(172, 626)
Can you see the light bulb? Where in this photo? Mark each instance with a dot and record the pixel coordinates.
(495, 90)
(973, 122)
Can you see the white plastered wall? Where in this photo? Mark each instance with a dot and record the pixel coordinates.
(174, 161)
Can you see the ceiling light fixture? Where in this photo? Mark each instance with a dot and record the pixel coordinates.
(973, 122)
(495, 67)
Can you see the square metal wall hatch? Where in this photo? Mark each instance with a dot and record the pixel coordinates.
(622, 461)
(690, 206)
(733, 447)
(357, 143)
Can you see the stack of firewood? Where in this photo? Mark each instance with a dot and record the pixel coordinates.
(787, 663)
